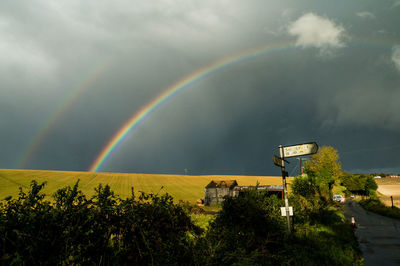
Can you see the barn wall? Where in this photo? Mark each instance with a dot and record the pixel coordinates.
(210, 196)
(213, 196)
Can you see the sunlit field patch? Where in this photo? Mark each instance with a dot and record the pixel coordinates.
(389, 187)
(180, 187)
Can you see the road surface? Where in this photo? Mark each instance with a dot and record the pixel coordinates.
(378, 236)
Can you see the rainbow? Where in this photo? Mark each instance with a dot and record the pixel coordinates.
(172, 90)
(54, 116)
(138, 117)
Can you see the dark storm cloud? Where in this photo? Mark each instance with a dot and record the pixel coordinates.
(339, 89)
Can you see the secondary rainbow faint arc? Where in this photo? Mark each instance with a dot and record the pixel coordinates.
(54, 116)
(172, 90)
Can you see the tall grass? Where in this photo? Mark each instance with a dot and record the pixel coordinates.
(388, 202)
(375, 205)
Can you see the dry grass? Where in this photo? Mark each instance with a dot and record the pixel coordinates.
(181, 187)
(388, 202)
(387, 181)
(389, 187)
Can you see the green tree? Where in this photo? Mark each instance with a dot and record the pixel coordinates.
(324, 168)
(303, 186)
(359, 183)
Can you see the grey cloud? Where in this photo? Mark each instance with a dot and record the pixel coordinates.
(396, 3)
(365, 15)
(229, 122)
(396, 56)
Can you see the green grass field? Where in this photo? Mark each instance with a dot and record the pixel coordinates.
(181, 187)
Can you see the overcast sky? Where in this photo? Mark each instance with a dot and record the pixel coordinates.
(73, 72)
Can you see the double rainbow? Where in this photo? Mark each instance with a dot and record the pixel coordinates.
(172, 90)
(169, 92)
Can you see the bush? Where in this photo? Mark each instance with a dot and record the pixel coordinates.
(154, 230)
(359, 184)
(151, 229)
(101, 230)
(247, 229)
(304, 186)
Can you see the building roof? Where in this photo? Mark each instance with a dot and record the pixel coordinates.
(222, 184)
(259, 188)
(275, 187)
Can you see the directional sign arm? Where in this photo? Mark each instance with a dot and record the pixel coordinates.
(300, 150)
(278, 161)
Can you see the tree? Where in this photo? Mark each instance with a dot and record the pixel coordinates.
(325, 168)
(303, 186)
(359, 183)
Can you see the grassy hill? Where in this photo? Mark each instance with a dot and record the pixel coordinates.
(181, 187)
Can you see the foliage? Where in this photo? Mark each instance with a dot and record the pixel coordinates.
(191, 208)
(104, 229)
(202, 220)
(326, 159)
(324, 245)
(324, 167)
(304, 186)
(250, 231)
(359, 184)
(26, 227)
(322, 234)
(247, 229)
(149, 229)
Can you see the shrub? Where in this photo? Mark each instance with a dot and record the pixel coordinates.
(155, 231)
(101, 230)
(151, 229)
(303, 186)
(28, 229)
(247, 229)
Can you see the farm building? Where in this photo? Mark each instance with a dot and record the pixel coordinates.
(216, 190)
(272, 190)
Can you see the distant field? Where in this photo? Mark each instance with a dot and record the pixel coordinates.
(181, 187)
(389, 187)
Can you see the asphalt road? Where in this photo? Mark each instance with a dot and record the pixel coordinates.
(378, 236)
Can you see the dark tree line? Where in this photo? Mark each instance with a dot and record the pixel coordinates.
(359, 184)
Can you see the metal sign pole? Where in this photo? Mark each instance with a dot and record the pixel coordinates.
(291, 151)
(284, 174)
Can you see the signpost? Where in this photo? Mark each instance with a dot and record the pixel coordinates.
(283, 211)
(291, 151)
(277, 161)
(300, 149)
